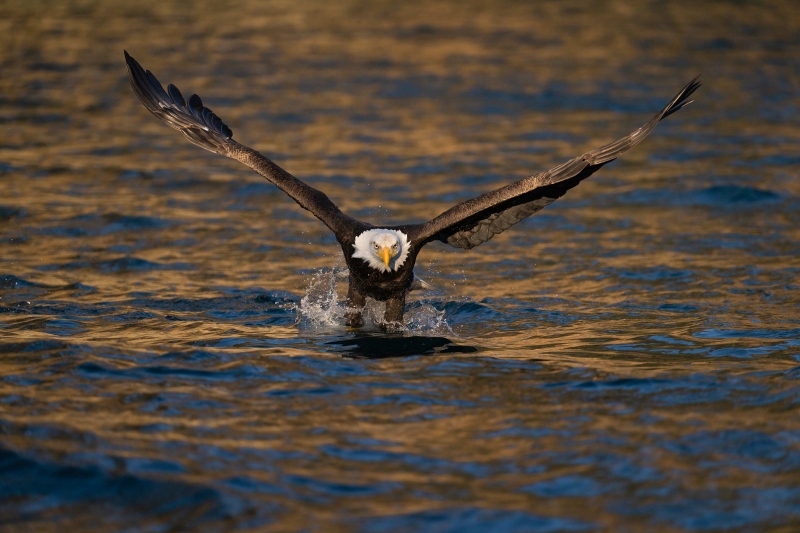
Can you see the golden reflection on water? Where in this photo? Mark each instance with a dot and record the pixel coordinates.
(299, 84)
(259, 59)
(397, 111)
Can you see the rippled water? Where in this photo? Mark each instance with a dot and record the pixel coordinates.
(172, 354)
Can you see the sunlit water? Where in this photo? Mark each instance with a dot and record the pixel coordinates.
(172, 352)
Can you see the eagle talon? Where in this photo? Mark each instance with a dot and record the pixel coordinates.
(353, 319)
(392, 327)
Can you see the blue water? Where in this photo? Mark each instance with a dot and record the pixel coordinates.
(172, 348)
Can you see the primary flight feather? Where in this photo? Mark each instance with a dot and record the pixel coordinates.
(381, 259)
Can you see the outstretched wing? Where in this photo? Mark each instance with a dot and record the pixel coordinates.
(475, 221)
(205, 129)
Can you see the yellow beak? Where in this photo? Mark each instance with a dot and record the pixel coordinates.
(386, 255)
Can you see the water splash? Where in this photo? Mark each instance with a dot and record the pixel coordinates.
(323, 307)
(422, 318)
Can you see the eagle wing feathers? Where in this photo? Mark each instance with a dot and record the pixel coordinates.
(205, 129)
(475, 221)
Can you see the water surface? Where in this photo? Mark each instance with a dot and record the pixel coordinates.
(172, 354)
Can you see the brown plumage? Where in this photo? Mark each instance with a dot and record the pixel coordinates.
(464, 225)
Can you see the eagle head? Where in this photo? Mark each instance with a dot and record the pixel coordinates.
(382, 249)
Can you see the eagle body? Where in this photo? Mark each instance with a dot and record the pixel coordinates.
(380, 286)
(388, 285)
(381, 260)
(377, 284)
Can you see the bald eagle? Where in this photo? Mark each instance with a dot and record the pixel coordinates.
(381, 259)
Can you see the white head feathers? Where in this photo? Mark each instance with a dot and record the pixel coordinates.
(374, 243)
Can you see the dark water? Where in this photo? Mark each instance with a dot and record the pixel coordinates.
(171, 349)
